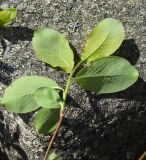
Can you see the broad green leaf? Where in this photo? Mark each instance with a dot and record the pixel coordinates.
(46, 120)
(47, 97)
(18, 96)
(53, 156)
(104, 40)
(53, 48)
(107, 75)
(7, 15)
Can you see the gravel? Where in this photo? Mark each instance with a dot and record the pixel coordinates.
(96, 127)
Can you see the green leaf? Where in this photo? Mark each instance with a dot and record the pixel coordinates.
(46, 120)
(18, 96)
(107, 75)
(104, 40)
(53, 48)
(47, 97)
(7, 15)
(53, 156)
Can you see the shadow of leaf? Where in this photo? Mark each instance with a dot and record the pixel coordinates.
(5, 73)
(129, 51)
(14, 34)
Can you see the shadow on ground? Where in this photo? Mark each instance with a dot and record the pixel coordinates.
(5, 73)
(120, 136)
(14, 34)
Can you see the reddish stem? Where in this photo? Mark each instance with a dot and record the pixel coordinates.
(53, 137)
(143, 156)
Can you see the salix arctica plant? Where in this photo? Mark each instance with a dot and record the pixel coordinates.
(96, 71)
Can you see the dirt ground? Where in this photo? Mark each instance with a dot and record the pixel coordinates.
(96, 127)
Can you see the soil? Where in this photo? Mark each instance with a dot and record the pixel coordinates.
(96, 127)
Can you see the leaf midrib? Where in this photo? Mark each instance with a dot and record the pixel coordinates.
(54, 55)
(100, 76)
(100, 44)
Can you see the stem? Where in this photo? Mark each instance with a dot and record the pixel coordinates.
(53, 138)
(69, 82)
(143, 156)
(62, 109)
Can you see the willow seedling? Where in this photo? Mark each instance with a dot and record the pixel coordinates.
(103, 74)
